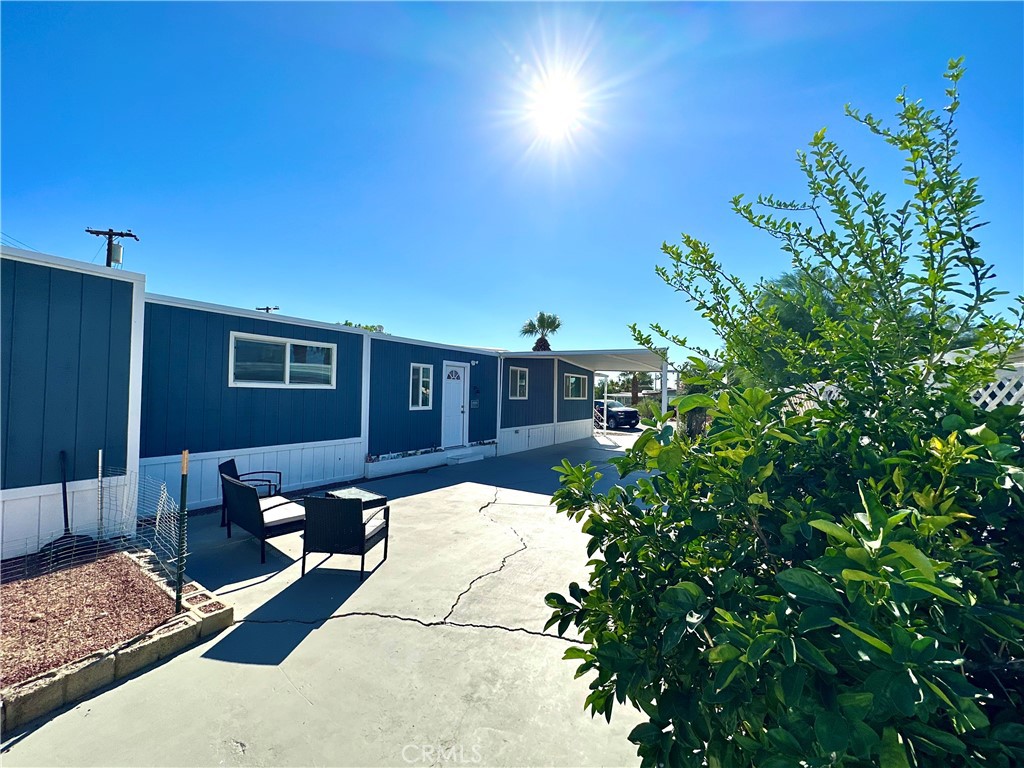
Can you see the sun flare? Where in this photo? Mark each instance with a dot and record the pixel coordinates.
(556, 105)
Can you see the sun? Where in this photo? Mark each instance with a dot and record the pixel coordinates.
(556, 105)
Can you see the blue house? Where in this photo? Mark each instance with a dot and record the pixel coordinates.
(71, 339)
(90, 361)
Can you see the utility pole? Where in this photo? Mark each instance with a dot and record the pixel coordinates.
(268, 309)
(110, 235)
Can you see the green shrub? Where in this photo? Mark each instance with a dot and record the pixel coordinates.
(843, 585)
(648, 407)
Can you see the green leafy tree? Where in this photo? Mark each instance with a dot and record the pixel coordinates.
(541, 326)
(838, 584)
(364, 326)
(790, 300)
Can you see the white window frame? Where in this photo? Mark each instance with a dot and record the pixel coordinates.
(565, 386)
(286, 384)
(511, 372)
(421, 407)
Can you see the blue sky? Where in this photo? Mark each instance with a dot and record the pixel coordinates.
(371, 162)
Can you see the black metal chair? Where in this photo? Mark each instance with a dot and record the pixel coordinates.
(242, 508)
(263, 485)
(340, 527)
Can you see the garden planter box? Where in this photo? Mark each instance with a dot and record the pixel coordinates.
(202, 615)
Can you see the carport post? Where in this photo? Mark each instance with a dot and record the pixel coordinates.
(604, 411)
(664, 384)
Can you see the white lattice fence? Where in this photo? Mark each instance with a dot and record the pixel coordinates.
(1008, 389)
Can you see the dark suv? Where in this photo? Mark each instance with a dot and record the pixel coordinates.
(619, 415)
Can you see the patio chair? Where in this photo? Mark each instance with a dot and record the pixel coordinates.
(243, 508)
(340, 527)
(265, 485)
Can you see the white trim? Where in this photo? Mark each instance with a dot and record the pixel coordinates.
(465, 366)
(554, 391)
(364, 413)
(430, 405)
(288, 343)
(639, 359)
(434, 345)
(565, 353)
(501, 383)
(664, 386)
(221, 309)
(46, 260)
(565, 382)
(135, 377)
(511, 369)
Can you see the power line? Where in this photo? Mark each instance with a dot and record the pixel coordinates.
(93, 259)
(16, 243)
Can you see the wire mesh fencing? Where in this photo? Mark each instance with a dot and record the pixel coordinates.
(125, 513)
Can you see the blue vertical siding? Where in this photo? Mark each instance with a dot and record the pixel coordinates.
(65, 365)
(539, 407)
(187, 403)
(574, 410)
(394, 428)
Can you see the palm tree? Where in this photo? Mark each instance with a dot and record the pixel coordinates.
(541, 326)
(793, 296)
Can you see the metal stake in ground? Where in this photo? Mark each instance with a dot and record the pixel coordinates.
(179, 576)
(68, 548)
(99, 492)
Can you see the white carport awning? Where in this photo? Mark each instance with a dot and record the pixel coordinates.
(603, 359)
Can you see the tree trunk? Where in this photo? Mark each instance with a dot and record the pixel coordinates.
(636, 390)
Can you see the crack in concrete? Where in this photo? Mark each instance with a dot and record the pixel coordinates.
(293, 685)
(409, 619)
(501, 565)
(445, 622)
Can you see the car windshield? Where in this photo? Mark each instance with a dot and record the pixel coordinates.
(613, 403)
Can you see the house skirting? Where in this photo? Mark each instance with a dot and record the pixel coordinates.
(32, 517)
(302, 465)
(516, 439)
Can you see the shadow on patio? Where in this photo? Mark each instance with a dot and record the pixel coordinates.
(269, 634)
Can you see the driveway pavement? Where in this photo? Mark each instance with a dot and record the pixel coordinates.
(438, 658)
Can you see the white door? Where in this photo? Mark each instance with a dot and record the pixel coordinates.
(454, 416)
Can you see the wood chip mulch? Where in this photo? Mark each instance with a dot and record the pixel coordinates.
(49, 620)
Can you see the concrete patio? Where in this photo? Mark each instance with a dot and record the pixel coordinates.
(439, 657)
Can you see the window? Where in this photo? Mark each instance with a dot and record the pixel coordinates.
(518, 383)
(420, 382)
(267, 361)
(575, 387)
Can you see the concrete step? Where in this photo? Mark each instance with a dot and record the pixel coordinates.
(464, 456)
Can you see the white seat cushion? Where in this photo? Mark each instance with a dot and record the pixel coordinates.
(272, 501)
(289, 512)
